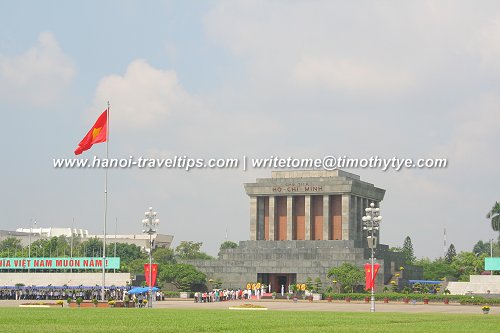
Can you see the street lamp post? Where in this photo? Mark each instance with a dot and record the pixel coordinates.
(29, 236)
(150, 223)
(371, 225)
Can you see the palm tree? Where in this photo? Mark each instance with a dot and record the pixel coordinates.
(494, 216)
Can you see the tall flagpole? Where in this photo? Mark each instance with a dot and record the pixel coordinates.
(72, 236)
(116, 230)
(105, 209)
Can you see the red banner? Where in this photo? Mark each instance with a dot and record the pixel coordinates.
(370, 282)
(153, 273)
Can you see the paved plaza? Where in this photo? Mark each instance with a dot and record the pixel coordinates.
(282, 305)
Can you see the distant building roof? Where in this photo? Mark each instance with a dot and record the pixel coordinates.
(142, 240)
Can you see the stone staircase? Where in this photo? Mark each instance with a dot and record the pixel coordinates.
(397, 278)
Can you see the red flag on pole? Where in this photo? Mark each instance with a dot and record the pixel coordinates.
(154, 271)
(96, 134)
(370, 283)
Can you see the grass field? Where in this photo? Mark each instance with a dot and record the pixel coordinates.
(169, 320)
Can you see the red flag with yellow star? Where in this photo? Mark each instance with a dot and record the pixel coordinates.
(96, 134)
(370, 281)
(153, 270)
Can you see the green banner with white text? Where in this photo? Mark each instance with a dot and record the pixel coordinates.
(59, 263)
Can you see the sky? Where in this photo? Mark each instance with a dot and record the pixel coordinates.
(226, 79)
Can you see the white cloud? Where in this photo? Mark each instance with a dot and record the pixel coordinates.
(39, 76)
(489, 47)
(302, 47)
(143, 96)
(348, 76)
(394, 50)
(475, 132)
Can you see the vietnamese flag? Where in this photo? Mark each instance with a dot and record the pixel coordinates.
(96, 134)
(370, 283)
(154, 271)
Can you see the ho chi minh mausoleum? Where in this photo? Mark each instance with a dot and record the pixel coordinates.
(302, 223)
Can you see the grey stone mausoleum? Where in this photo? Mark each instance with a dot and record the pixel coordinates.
(302, 223)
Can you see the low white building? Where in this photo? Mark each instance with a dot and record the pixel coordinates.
(478, 284)
(25, 235)
(55, 232)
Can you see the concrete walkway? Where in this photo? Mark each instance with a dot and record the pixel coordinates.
(283, 305)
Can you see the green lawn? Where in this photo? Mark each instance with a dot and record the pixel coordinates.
(167, 320)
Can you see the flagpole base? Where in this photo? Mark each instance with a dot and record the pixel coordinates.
(372, 301)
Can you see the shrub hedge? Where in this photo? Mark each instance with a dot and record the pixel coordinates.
(172, 294)
(462, 299)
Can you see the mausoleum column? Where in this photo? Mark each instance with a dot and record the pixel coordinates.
(289, 217)
(359, 215)
(354, 216)
(307, 207)
(260, 218)
(346, 210)
(272, 205)
(253, 218)
(377, 204)
(326, 216)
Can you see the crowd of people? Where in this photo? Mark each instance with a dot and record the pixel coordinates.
(57, 293)
(221, 295)
(140, 298)
(116, 293)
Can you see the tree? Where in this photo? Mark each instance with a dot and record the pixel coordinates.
(496, 249)
(53, 247)
(92, 247)
(217, 283)
(182, 276)
(191, 250)
(466, 264)
(9, 244)
(450, 254)
(62, 246)
(228, 245)
(407, 251)
(461, 267)
(309, 283)
(481, 248)
(10, 247)
(347, 275)
(126, 252)
(318, 285)
(396, 249)
(135, 266)
(164, 256)
(494, 216)
(43, 247)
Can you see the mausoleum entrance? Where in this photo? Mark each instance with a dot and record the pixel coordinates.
(277, 280)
